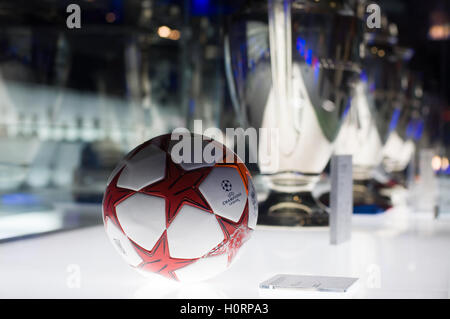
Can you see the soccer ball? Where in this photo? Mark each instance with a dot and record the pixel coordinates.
(185, 220)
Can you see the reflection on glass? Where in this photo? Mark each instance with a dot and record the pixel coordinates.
(72, 102)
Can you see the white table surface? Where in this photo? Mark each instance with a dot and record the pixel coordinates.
(397, 254)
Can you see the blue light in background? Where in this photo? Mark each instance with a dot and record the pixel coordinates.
(419, 130)
(447, 171)
(252, 64)
(410, 128)
(19, 199)
(117, 9)
(212, 7)
(394, 120)
(363, 77)
(347, 108)
(191, 106)
(201, 7)
(367, 209)
(300, 46)
(316, 67)
(309, 56)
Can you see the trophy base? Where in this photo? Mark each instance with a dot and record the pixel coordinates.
(291, 209)
(367, 198)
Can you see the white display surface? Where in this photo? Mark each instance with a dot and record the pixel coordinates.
(398, 254)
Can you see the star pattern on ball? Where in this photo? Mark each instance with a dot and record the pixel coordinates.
(159, 260)
(178, 189)
(236, 236)
(114, 197)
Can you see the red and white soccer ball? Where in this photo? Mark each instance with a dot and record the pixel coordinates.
(184, 221)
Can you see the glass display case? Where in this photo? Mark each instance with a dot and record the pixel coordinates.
(74, 101)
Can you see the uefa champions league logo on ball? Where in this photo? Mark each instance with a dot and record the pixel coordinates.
(226, 185)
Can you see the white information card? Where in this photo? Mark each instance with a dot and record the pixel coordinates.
(341, 199)
(315, 283)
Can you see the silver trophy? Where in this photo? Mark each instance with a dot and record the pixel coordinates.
(400, 145)
(379, 112)
(292, 68)
(374, 112)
